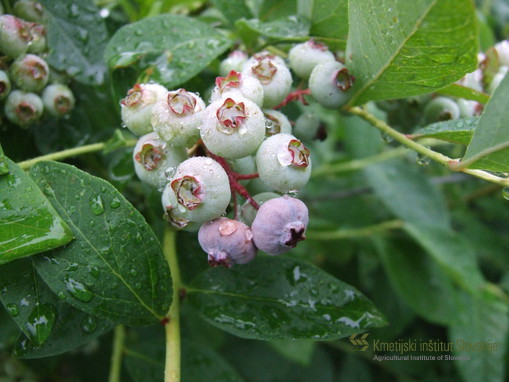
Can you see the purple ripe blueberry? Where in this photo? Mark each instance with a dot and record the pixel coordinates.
(30, 72)
(273, 74)
(136, 107)
(178, 118)
(248, 86)
(280, 224)
(23, 108)
(227, 242)
(14, 36)
(283, 163)
(58, 99)
(330, 83)
(233, 127)
(304, 57)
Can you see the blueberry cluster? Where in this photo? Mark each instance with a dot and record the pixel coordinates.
(28, 89)
(200, 155)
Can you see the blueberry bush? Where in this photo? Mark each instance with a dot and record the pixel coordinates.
(254, 190)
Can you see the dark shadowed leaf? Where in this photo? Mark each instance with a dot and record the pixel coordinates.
(115, 268)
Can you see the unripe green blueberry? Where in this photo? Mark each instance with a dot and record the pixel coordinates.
(283, 163)
(440, 109)
(330, 83)
(276, 123)
(497, 79)
(280, 224)
(248, 212)
(198, 191)
(502, 49)
(58, 99)
(153, 158)
(273, 74)
(468, 108)
(234, 61)
(473, 80)
(178, 118)
(38, 35)
(23, 108)
(244, 165)
(248, 86)
(227, 242)
(30, 72)
(29, 10)
(14, 36)
(304, 57)
(233, 127)
(136, 107)
(5, 85)
(306, 126)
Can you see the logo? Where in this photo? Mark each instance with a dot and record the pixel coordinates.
(360, 343)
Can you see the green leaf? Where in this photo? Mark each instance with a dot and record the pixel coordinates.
(49, 325)
(77, 37)
(489, 147)
(288, 27)
(4, 167)
(300, 352)
(408, 193)
(281, 298)
(452, 252)
(399, 48)
(329, 22)
(455, 131)
(460, 91)
(482, 321)
(115, 268)
(419, 282)
(28, 222)
(170, 49)
(276, 9)
(233, 9)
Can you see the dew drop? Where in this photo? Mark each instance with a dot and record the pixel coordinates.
(71, 267)
(133, 272)
(61, 295)
(12, 309)
(386, 138)
(40, 323)
(93, 271)
(115, 202)
(89, 324)
(423, 160)
(505, 193)
(96, 205)
(78, 290)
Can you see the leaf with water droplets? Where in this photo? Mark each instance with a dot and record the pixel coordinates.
(329, 21)
(94, 273)
(287, 27)
(4, 167)
(456, 131)
(398, 48)
(28, 222)
(49, 325)
(282, 298)
(77, 37)
(169, 49)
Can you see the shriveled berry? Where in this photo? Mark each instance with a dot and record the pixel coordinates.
(198, 191)
(153, 158)
(280, 224)
(5, 85)
(30, 72)
(136, 107)
(23, 108)
(178, 118)
(227, 242)
(58, 99)
(283, 163)
(330, 83)
(14, 36)
(304, 57)
(233, 127)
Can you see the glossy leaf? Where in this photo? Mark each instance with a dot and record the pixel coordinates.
(276, 9)
(403, 48)
(288, 27)
(329, 21)
(77, 37)
(281, 298)
(28, 222)
(49, 325)
(482, 321)
(407, 193)
(460, 91)
(115, 268)
(455, 131)
(489, 147)
(452, 252)
(170, 49)
(233, 9)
